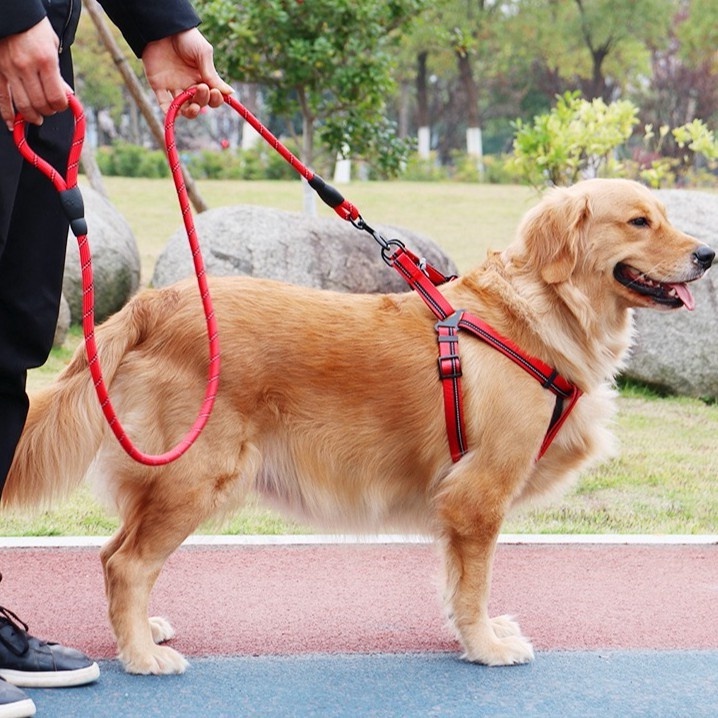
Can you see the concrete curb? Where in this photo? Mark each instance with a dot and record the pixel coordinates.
(331, 539)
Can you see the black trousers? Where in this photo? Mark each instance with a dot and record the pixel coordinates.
(33, 238)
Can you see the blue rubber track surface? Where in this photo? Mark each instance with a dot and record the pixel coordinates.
(620, 630)
(620, 684)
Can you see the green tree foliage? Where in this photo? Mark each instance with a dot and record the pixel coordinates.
(698, 34)
(581, 138)
(329, 61)
(577, 138)
(336, 65)
(591, 45)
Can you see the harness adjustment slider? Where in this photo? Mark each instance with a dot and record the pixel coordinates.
(449, 360)
(450, 322)
(74, 209)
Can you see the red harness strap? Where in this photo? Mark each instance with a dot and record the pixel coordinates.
(424, 280)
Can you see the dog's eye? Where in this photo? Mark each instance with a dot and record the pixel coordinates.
(640, 222)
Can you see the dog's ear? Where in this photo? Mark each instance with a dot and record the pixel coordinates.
(553, 233)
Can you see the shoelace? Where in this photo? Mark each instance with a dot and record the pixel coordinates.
(21, 629)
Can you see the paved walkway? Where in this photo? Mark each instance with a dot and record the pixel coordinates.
(357, 630)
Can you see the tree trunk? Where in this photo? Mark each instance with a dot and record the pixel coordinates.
(310, 197)
(474, 144)
(404, 109)
(422, 106)
(138, 93)
(599, 86)
(343, 167)
(250, 136)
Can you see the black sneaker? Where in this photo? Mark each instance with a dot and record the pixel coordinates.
(29, 662)
(14, 703)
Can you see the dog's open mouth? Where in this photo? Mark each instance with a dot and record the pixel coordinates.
(669, 294)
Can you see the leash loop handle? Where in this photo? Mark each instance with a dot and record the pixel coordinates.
(73, 207)
(73, 161)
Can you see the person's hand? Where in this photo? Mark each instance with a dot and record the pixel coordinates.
(180, 61)
(30, 80)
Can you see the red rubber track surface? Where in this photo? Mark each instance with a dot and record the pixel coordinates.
(265, 600)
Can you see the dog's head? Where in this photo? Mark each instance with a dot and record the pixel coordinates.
(612, 237)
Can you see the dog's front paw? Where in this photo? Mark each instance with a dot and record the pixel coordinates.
(501, 645)
(159, 660)
(161, 629)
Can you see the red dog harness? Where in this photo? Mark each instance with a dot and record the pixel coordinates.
(424, 280)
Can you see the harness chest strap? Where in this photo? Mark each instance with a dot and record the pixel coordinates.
(423, 281)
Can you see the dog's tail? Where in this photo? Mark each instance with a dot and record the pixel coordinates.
(65, 423)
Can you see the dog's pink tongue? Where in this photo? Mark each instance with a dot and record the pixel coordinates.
(685, 296)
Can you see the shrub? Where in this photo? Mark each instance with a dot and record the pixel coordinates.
(576, 138)
(579, 139)
(420, 169)
(258, 163)
(499, 169)
(126, 160)
(211, 164)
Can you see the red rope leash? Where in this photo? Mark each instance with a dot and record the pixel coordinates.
(72, 204)
(328, 194)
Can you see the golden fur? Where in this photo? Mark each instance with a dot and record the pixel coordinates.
(330, 407)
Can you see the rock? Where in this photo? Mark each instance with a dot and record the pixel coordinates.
(679, 350)
(327, 253)
(115, 260)
(63, 323)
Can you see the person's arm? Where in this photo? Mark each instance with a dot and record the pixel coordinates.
(175, 55)
(20, 16)
(178, 57)
(145, 21)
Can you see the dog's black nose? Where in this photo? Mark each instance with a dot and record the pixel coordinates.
(704, 256)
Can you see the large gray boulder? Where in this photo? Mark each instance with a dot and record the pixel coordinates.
(326, 253)
(115, 260)
(63, 323)
(679, 350)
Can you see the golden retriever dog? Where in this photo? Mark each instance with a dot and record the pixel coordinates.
(330, 406)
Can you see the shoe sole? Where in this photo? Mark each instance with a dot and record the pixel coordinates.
(18, 709)
(50, 679)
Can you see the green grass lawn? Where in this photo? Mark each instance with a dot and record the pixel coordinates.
(663, 480)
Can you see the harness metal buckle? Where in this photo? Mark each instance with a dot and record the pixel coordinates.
(450, 322)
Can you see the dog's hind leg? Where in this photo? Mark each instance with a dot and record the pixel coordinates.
(132, 562)
(471, 511)
(157, 516)
(159, 508)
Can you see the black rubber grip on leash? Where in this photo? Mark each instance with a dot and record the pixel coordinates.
(328, 194)
(74, 209)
